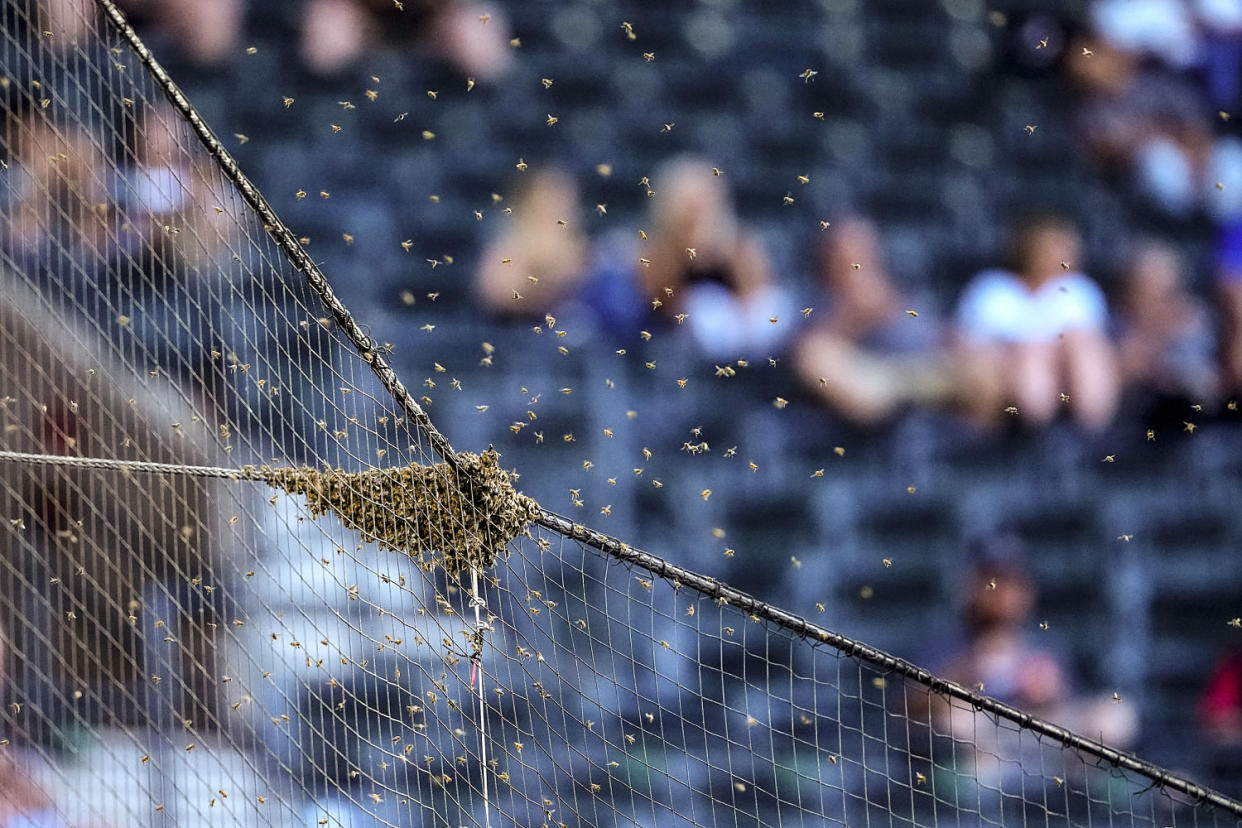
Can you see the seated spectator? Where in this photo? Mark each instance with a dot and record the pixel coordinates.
(702, 262)
(1145, 117)
(540, 255)
(1001, 652)
(1220, 717)
(868, 356)
(1034, 337)
(472, 37)
(1166, 344)
(23, 802)
(1229, 287)
(58, 184)
(203, 31)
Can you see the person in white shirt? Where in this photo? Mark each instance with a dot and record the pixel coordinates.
(1034, 338)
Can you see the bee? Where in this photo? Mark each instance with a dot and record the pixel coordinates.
(807, 75)
(1109, 458)
(780, 402)
(1042, 44)
(1116, 697)
(818, 473)
(1043, 625)
(1012, 409)
(1188, 427)
(1030, 129)
(552, 119)
(668, 127)
(1125, 538)
(705, 494)
(521, 165)
(629, 30)
(754, 466)
(681, 383)
(887, 562)
(804, 179)
(649, 56)
(788, 199)
(1235, 622)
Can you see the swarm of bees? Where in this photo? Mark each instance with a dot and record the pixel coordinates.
(458, 521)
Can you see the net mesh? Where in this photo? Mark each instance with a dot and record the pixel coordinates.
(190, 644)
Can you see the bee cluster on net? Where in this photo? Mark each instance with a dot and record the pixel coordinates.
(459, 519)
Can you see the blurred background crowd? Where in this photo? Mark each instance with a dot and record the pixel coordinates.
(951, 290)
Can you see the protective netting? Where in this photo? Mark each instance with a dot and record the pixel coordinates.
(357, 642)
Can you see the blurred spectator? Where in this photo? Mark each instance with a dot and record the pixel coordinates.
(472, 37)
(23, 802)
(1146, 117)
(869, 356)
(56, 224)
(1034, 337)
(203, 31)
(1166, 343)
(1220, 716)
(541, 253)
(1229, 286)
(997, 653)
(701, 261)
